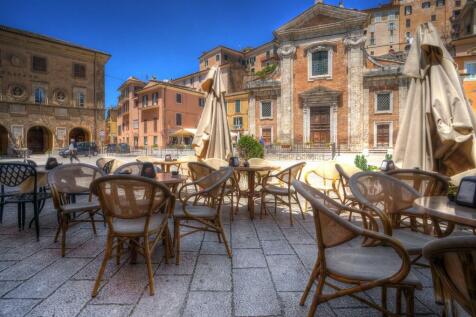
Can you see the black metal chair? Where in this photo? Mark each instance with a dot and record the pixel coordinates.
(13, 175)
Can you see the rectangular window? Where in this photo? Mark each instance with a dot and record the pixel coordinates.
(383, 134)
(391, 16)
(378, 18)
(201, 102)
(441, 3)
(320, 63)
(408, 10)
(217, 57)
(135, 124)
(470, 70)
(38, 64)
(80, 99)
(238, 122)
(225, 57)
(391, 26)
(384, 102)
(206, 62)
(145, 141)
(145, 101)
(155, 98)
(237, 106)
(178, 119)
(408, 23)
(426, 4)
(145, 126)
(266, 110)
(372, 38)
(155, 140)
(155, 124)
(79, 70)
(433, 17)
(178, 98)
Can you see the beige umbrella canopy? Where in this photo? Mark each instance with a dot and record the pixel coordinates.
(437, 130)
(212, 138)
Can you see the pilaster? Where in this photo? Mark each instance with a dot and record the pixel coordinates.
(284, 118)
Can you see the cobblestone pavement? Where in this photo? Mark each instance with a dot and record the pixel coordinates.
(266, 276)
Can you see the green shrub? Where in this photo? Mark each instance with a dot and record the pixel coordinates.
(361, 162)
(248, 147)
(388, 157)
(266, 71)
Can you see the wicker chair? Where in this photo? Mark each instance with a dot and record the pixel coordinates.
(453, 264)
(207, 217)
(345, 194)
(14, 175)
(216, 163)
(386, 197)
(184, 160)
(133, 168)
(283, 189)
(427, 184)
(66, 181)
(135, 209)
(342, 257)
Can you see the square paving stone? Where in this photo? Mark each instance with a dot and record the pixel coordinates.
(212, 273)
(90, 249)
(192, 242)
(208, 304)
(212, 247)
(292, 308)
(66, 301)
(6, 286)
(126, 286)
(48, 280)
(253, 293)
(16, 307)
(106, 310)
(307, 253)
(289, 275)
(243, 235)
(268, 231)
(297, 235)
(28, 267)
(90, 271)
(278, 247)
(6, 264)
(248, 258)
(169, 298)
(186, 266)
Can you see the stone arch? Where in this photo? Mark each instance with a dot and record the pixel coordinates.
(3, 140)
(79, 134)
(39, 139)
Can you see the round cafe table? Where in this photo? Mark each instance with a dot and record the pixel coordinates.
(165, 165)
(250, 191)
(170, 180)
(440, 208)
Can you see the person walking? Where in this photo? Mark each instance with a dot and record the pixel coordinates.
(73, 151)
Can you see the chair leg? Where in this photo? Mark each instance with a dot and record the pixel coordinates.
(149, 265)
(384, 299)
(315, 299)
(23, 216)
(64, 228)
(410, 297)
(118, 251)
(177, 241)
(262, 206)
(107, 255)
(37, 220)
(310, 282)
(19, 211)
(290, 210)
(231, 208)
(93, 223)
(299, 204)
(2, 203)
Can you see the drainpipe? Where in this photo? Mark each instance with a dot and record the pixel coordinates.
(94, 97)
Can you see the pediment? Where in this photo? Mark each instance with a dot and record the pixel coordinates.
(320, 96)
(323, 17)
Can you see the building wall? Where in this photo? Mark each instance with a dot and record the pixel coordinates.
(230, 111)
(380, 26)
(267, 123)
(60, 113)
(469, 84)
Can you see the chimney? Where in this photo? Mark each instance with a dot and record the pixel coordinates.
(319, 1)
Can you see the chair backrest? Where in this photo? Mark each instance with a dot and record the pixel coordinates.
(213, 184)
(291, 173)
(216, 163)
(31, 163)
(101, 161)
(453, 260)
(132, 168)
(382, 191)
(143, 159)
(425, 182)
(73, 178)
(148, 170)
(51, 163)
(130, 197)
(199, 170)
(107, 168)
(13, 174)
(331, 229)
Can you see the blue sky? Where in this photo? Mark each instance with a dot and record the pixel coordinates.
(161, 38)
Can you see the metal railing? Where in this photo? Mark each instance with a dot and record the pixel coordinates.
(302, 151)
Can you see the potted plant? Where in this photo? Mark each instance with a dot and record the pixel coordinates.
(248, 147)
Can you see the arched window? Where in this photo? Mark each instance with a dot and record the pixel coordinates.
(80, 99)
(39, 95)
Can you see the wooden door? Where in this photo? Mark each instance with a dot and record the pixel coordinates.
(383, 135)
(266, 133)
(320, 125)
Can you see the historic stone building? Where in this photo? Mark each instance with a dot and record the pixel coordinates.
(50, 91)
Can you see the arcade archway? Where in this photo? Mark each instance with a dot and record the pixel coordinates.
(3, 140)
(39, 139)
(79, 134)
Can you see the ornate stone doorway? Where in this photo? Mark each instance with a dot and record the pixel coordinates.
(3, 140)
(79, 134)
(320, 125)
(39, 139)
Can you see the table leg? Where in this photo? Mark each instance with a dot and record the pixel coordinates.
(251, 194)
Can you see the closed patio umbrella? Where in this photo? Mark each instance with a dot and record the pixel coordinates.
(212, 138)
(438, 126)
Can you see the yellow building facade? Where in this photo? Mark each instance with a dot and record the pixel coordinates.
(237, 112)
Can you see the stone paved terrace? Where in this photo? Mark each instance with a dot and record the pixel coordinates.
(266, 276)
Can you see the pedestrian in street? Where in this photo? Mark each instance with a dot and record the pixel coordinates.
(261, 141)
(73, 151)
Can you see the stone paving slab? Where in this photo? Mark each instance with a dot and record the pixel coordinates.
(265, 277)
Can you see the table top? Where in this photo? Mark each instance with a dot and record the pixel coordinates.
(169, 179)
(441, 207)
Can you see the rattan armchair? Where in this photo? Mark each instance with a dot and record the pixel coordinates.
(282, 190)
(427, 184)
(453, 265)
(387, 197)
(216, 163)
(135, 210)
(342, 257)
(65, 182)
(132, 168)
(207, 216)
(345, 194)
